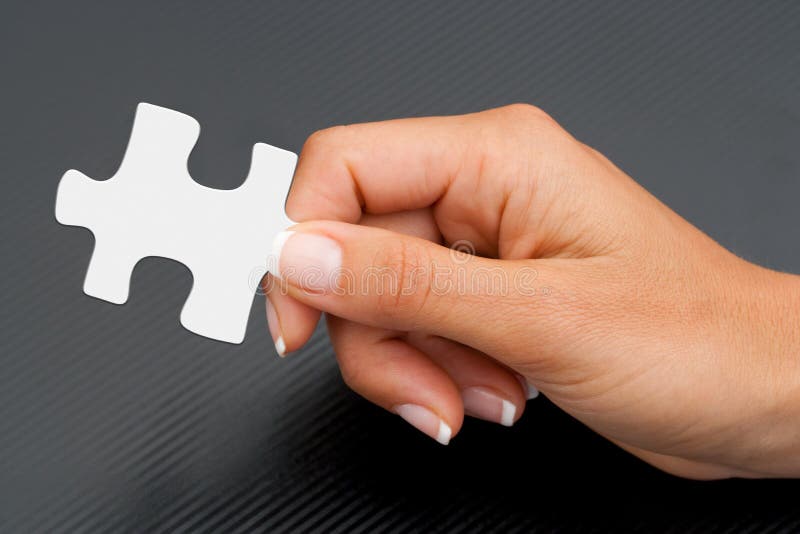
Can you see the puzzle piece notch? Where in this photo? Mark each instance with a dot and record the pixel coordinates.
(152, 207)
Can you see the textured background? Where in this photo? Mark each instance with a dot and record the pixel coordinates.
(116, 418)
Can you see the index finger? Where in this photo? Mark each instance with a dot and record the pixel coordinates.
(378, 167)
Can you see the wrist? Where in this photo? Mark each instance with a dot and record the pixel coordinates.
(770, 319)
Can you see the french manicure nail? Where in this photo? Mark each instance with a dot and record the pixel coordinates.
(425, 421)
(310, 261)
(486, 404)
(277, 246)
(275, 329)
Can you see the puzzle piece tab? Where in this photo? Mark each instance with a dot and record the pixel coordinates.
(153, 207)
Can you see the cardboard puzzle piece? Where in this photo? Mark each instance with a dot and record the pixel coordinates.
(153, 207)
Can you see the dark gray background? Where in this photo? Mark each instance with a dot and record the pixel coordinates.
(116, 418)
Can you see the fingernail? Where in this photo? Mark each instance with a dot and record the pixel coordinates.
(275, 329)
(425, 421)
(485, 404)
(309, 261)
(530, 390)
(277, 246)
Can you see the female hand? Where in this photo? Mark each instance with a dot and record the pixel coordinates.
(616, 308)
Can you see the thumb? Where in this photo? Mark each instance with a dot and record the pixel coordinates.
(399, 282)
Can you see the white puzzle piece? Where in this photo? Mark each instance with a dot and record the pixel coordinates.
(153, 207)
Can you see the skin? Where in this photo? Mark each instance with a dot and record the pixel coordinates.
(635, 322)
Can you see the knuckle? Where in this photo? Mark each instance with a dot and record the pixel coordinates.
(314, 141)
(528, 120)
(522, 109)
(326, 138)
(406, 290)
(527, 112)
(319, 186)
